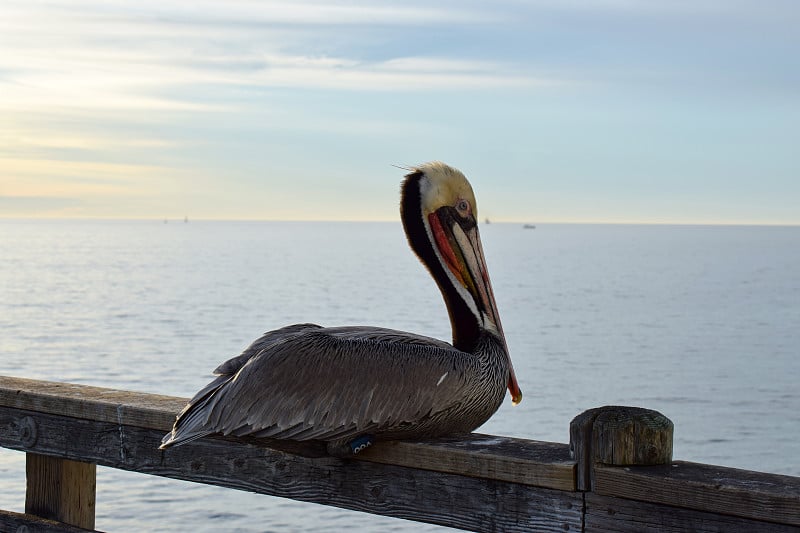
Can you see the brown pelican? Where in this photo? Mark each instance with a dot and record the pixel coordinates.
(349, 385)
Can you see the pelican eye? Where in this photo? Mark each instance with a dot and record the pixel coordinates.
(462, 206)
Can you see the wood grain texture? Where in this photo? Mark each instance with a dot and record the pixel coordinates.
(618, 435)
(541, 464)
(729, 491)
(580, 447)
(60, 489)
(453, 500)
(529, 462)
(631, 436)
(11, 522)
(619, 515)
(153, 411)
(480, 482)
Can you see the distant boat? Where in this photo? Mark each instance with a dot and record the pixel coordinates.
(186, 220)
(488, 221)
(528, 226)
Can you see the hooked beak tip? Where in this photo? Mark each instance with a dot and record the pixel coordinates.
(516, 399)
(516, 392)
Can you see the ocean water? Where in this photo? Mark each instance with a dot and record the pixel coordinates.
(701, 323)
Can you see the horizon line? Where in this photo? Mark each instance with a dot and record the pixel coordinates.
(185, 219)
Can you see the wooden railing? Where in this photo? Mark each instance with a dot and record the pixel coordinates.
(616, 475)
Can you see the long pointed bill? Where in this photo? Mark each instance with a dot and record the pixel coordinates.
(462, 253)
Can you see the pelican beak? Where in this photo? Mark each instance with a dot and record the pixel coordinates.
(462, 252)
(513, 386)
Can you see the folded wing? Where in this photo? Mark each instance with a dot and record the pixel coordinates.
(306, 382)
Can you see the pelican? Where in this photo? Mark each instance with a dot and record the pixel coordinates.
(350, 386)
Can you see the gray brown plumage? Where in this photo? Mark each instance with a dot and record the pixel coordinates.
(306, 382)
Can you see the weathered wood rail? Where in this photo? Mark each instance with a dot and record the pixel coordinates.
(617, 473)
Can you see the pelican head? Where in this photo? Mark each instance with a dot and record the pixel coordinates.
(440, 216)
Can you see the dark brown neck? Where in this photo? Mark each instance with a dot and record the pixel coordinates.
(466, 329)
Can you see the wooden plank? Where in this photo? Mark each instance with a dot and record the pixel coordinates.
(529, 462)
(60, 489)
(619, 515)
(129, 425)
(436, 497)
(152, 411)
(26, 523)
(717, 489)
(541, 464)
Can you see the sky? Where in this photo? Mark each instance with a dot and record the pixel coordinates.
(621, 111)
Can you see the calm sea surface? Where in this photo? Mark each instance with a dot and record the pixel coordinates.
(700, 323)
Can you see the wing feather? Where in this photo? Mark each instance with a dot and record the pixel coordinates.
(305, 382)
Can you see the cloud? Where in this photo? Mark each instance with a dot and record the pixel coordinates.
(252, 91)
(307, 13)
(42, 177)
(59, 187)
(397, 74)
(158, 56)
(29, 140)
(13, 206)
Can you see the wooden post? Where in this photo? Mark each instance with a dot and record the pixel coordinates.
(618, 436)
(60, 489)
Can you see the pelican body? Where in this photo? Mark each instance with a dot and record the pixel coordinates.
(349, 385)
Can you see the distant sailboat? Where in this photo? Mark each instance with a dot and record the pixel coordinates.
(529, 226)
(488, 221)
